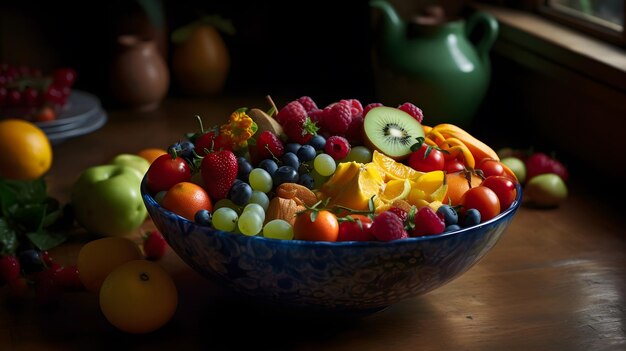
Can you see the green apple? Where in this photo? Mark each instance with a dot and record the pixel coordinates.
(545, 190)
(137, 162)
(107, 200)
(517, 166)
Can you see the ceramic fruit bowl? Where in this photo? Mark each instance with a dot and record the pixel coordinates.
(327, 276)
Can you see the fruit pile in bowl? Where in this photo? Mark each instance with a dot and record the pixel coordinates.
(346, 208)
(27, 92)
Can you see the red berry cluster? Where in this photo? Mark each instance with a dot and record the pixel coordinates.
(25, 91)
(33, 272)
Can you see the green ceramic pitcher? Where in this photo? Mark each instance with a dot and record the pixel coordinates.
(434, 66)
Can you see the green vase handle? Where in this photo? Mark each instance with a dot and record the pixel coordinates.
(490, 32)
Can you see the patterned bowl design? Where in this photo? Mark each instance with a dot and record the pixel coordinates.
(324, 276)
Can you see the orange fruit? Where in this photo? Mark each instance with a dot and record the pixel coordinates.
(458, 185)
(151, 154)
(320, 226)
(185, 199)
(25, 149)
(138, 297)
(394, 169)
(99, 257)
(352, 185)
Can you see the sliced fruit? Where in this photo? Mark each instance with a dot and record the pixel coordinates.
(393, 169)
(352, 185)
(395, 189)
(391, 131)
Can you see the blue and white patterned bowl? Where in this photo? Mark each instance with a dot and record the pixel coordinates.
(324, 276)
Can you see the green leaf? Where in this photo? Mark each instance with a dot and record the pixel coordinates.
(8, 238)
(45, 240)
(27, 217)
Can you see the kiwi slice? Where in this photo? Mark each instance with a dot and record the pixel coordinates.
(391, 131)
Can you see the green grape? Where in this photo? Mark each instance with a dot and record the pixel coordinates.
(256, 208)
(319, 179)
(259, 197)
(360, 154)
(278, 229)
(261, 180)
(324, 164)
(225, 219)
(226, 203)
(250, 223)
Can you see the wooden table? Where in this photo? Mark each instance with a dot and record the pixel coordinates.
(555, 281)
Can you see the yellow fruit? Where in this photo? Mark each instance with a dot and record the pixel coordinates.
(393, 169)
(352, 185)
(99, 257)
(428, 188)
(151, 154)
(138, 297)
(25, 149)
(395, 189)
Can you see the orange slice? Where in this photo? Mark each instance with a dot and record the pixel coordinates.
(394, 169)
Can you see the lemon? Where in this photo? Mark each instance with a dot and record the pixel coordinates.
(25, 149)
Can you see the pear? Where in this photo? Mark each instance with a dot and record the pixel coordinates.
(265, 122)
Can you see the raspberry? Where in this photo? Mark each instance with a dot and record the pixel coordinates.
(413, 110)
(354, 134)
(388, 226)
(154, 245)
(427, 222)
(337, 118)
(337, 147)
(355, 107)
(400, 213)
(293, 110)
(308, 104)
(268, 145)
(317, 116)
(371, 106)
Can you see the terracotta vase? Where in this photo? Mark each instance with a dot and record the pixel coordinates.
(139, 75)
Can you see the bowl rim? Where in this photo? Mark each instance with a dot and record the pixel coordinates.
(149, 199)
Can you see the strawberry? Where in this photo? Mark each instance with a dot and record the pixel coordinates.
(540, 163)
(154, 245)
(211, 140)
(300, 131)
(219, 171)
(268, 145)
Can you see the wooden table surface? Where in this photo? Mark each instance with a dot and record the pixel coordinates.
(555, 281)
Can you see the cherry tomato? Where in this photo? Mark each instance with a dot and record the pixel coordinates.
(491, 167)
(426, 159)
(64, 77)
(166, 171)
(356, 229)
(320, 226)
(482, 199)
(453, 165)
(504, 188)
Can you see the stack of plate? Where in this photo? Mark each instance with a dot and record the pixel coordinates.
(82, 114)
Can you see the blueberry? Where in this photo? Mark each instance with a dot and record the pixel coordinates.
(269, 165)
(292, 147)
(30, 261)
(183, 149)
(203, 217)
(244, 168)
(471, 217)
(306, 153)
(240, 193)
(290, 159)
(318, 142)
(306, 180)
(284, 174)
(450, 216)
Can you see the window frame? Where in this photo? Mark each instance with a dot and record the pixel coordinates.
(580, 24)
